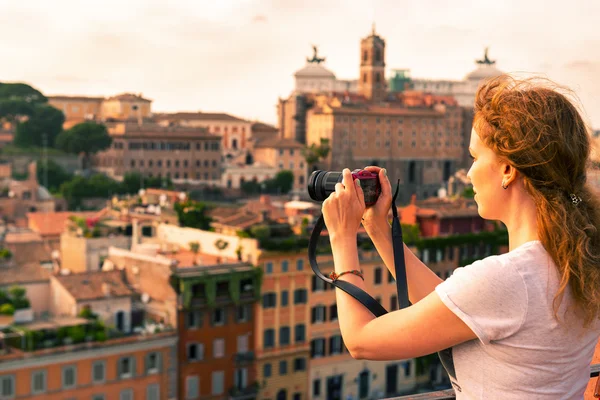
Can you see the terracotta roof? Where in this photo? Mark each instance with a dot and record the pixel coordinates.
(218, 213)
(22, 236)
(198, 116)
(278, 143)
(92, 285)
(129, 97)
(260, 126)
(24, 273)
(241, 220)
(53, 223)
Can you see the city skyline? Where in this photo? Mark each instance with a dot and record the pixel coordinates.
(240, 58)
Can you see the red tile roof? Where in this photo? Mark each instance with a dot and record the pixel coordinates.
(95, 285)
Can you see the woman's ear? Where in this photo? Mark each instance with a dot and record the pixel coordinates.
(509, 174)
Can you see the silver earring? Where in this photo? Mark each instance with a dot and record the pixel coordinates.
(504, 185)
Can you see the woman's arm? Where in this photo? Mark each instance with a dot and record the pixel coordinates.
(421, 280)
(423, 328)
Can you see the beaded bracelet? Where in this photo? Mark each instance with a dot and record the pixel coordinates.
(334, 277)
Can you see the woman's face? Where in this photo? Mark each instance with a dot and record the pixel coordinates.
(486, 175)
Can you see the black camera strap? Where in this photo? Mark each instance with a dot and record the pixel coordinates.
(359, 294)
(401, 282)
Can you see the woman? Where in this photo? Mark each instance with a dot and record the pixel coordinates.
(521, 325)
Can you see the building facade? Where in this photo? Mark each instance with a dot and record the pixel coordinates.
(181, 154)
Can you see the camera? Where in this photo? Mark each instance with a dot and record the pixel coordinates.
(322, 183)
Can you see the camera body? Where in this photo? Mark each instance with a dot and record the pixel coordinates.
(322, 183)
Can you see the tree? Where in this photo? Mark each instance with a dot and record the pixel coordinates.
(313, 153)
(22, 91)
(41, 128)
(193, 214)
(132, 182)
(282, 182)
(468, 192)
(86, 138)
(56, 174)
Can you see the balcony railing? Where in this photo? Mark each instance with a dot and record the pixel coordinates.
(449, 393)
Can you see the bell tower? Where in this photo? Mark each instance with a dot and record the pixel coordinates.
(372, 83)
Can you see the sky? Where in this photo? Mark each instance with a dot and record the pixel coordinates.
(239, 56)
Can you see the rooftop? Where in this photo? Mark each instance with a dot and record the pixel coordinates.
(198, 116)
(278, 143)
(53, 223)
(187, 259)
(24, 273)
(95, 285)
(129, 97)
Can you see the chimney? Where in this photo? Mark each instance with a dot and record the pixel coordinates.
(106, 289)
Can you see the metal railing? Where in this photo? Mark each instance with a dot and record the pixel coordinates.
(449, 393)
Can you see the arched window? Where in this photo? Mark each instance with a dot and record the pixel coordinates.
(365, 55)
(377, 78)
(377, 55)
(365, 77)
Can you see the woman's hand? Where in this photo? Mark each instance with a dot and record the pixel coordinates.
(343, 209)
(377, 214)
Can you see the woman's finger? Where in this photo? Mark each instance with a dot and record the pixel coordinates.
(386, 187)
(348, 182)
(339, 188)
(359, 193)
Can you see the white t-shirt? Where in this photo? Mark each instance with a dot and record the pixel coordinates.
(522, 351)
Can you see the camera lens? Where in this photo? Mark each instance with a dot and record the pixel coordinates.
(322, 183)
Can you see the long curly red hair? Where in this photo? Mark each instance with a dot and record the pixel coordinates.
(539, 131)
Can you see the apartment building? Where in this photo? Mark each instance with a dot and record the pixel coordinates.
(181, 154)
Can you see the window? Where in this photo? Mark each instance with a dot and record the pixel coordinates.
(177, 163)
(269, 300)
(317, 284)
(269, 268)
(378, 275)
(300, 262)
(98, 372)
(317, 387)
(7, 386)
(317, 348)
(284, 266)
(333, 316)
(318, 314)
(69, 377)
(98, 397)
(193, 319)
(300, 364)
(152, 363)
(126, 367)
(406, 366)
(242, 343)
(126, 394)
(218, 317)
(267, 370)
(219, 348)
(38, 382)
(153, 392)
(300, 333)
(282, 367)
(192, 387)
(218, 378)
(195, 351)
(269, 338)
(335, 344)
(243, 313)
(241, 378)
(284, 298)
(133, 163)
(394, 303)
(300, 296)
(284, 336)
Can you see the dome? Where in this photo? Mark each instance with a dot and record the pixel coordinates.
(314, 70)
(484, 72)
(43, 193)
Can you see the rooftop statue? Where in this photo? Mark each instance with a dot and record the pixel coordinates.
(486, 60)
(315, 58)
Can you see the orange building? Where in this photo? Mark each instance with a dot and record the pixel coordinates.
(283, 154)
(137, 367)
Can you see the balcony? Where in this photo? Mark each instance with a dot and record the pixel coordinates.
(247, 393)
(244, 358)
(449, 393)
